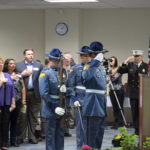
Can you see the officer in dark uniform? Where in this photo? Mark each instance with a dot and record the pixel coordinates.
(94, 104)
(49, 91)
(78, 93)
(133, 68)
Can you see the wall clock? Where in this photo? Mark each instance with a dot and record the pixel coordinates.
(61, 28)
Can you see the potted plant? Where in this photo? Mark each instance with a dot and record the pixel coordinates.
(124, 140)
(146, 144)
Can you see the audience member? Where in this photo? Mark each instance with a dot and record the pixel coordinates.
(70, 58)
(67, 66)
(30, 71)
(133, 66)
(7, 104)
(116, 87)
(10, 68)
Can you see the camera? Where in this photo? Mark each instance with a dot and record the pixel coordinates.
(106, 62)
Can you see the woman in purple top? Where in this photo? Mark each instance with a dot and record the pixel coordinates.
(15, 121)
(7, 104)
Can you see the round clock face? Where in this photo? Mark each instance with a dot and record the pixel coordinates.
(61, 28)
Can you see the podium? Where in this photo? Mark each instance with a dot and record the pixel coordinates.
(144, 108)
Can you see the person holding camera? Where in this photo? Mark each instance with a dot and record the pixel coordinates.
(133, 66)
(116, 87)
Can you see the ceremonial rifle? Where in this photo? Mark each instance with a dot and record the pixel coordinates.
(63, 123)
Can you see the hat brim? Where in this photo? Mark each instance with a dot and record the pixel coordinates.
(96, 52)
(81, 53)
(52, 57)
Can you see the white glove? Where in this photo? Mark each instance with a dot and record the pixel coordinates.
(77, 104)
(99, 57)
(63, 89)
(59, 111)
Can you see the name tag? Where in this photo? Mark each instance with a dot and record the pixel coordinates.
(36, 69)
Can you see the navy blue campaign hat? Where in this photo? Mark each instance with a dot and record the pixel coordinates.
(83, 50)
(55, 53)
(96, 47)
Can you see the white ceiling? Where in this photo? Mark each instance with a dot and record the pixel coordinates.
(40, 4)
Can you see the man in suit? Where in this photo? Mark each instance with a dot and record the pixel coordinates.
(30, 71)
(133, 66)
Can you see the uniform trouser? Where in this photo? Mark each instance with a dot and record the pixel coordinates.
(13, 121)
(54, 135)
(80, 134)
(43, 126)
(94, 131)
(117, 112)
(29, 119)
(135, 113)
(4, 125)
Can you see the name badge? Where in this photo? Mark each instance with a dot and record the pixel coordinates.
(36, 69)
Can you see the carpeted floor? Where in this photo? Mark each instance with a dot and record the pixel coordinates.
(70, 142)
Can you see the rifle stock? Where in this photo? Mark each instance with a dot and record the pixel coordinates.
(63, 123)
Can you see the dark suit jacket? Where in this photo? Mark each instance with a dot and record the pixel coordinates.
(133, 78)
(37, 67)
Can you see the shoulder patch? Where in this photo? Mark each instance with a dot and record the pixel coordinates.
(64, 75)
(71, 70)
(86, 67)
(42, 75)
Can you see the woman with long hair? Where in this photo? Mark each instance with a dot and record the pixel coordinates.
(116, 79)
(7, 104)
(10, 68)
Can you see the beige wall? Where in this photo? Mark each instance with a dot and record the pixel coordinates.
(120, 30)
(68, 42)
(20, 29)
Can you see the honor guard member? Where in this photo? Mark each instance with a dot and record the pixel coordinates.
(133, 66)
(94, 104)
(49, 90)
(78, 93)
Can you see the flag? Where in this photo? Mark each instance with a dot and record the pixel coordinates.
(149, 59)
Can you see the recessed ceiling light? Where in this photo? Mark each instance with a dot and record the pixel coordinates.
(70, 1)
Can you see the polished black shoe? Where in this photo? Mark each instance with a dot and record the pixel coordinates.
(33, 141)
(15, 144)
(67, 135)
